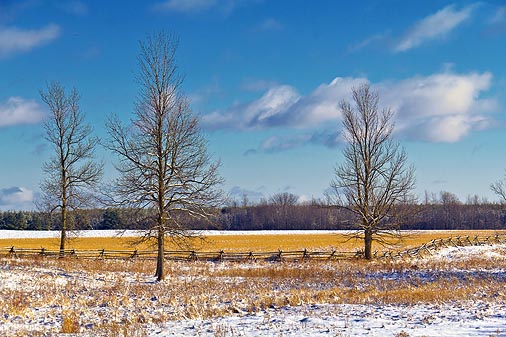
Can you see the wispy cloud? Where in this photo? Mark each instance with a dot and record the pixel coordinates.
(375, 39)
(246, 196)
(497, 22)
(75, 7)
(499, 16)
(186, 6)
(327, 137)
(258, 84)
(442, 107)
(16, 198)
(434, 26)
(269, 25)
(202, 95)
(17, 110)
(14, 40)
(189, 7)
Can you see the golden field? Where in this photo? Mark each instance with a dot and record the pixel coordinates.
(248, 242)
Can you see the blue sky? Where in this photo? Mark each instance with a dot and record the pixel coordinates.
(266, 78)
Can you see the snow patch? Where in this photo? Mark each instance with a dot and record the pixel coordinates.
(471, 252)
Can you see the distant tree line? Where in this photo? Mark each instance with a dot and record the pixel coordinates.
(282, 211)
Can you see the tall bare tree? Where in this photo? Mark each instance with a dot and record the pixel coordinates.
(374, 178)
(164, 165)
(72, 173)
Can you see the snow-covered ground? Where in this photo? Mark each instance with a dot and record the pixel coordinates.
(482, 315)
(16, 234)
(473, 319)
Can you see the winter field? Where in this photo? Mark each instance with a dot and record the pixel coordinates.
(456, 291)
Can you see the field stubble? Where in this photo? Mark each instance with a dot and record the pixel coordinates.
(100, 297)
(119, 297)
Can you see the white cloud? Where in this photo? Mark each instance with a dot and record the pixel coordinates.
(282, 105)
(17, 110)
(434, 26)
(255, 114)
(14, 40)
(443, 107)
(448, 129)
(322, 105)
(16, 198)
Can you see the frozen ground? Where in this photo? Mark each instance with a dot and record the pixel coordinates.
(481, 315)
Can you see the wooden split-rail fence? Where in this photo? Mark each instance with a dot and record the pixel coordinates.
(428, 248)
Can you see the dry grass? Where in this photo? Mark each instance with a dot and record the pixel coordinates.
(244, 242)
(70, 322)
(108, 297)
(119, 297)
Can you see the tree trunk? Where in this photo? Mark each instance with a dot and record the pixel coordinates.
(160, 273)
(63, 236)
(368, 244)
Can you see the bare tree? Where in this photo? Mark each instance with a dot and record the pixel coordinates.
(499, 188)
(163, 161)
(72, 173)
(451, 210)
(284, 203)
(284, 199)
(374, 178)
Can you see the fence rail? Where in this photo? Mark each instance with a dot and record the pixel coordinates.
(428, 248)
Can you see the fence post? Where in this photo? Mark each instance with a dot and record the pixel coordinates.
(332, 253)
(193, 256)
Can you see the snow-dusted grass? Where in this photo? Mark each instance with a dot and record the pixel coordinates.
(457, 292)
